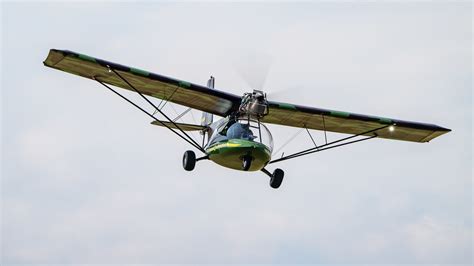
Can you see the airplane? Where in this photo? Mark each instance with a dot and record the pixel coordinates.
(240, 139)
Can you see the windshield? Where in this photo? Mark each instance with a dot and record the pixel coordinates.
(242, 129)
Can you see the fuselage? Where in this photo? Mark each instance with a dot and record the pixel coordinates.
(232, 141)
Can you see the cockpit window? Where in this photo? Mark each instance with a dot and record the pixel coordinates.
(240, 131)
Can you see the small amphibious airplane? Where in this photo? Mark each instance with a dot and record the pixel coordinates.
(240, 140)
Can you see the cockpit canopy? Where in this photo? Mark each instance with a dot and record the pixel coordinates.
(242, 129)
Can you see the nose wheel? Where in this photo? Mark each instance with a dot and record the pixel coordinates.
(275, 178)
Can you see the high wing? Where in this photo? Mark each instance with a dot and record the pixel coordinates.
(158, 86)
(350, 123)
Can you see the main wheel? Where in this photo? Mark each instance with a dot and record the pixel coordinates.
(277, 178)
(189, 160)
(246, 162)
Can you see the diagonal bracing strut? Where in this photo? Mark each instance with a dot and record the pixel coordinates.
(190, 141)
(330, 145)
(154, 106)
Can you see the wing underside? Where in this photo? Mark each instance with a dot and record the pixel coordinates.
(158, 86)
(350, 123)
(222, 103)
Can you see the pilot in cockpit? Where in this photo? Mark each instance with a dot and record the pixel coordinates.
(240, 131)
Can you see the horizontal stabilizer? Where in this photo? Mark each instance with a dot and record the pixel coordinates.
(183, 126)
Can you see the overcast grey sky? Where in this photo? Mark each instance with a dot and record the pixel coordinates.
(87, 179)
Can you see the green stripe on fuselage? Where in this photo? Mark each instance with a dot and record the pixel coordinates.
(229, 153)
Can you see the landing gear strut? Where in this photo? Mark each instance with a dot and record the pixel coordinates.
(275, 178)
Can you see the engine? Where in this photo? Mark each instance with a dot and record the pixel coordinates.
(254, 104)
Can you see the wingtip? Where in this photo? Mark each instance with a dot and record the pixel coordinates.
(54, 56)
(443, 129)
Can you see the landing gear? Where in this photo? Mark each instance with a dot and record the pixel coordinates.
(246, 162)
(276, 178)
(189, 160)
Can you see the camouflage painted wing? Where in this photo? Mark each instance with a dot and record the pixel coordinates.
(349, 123)
(158, 86)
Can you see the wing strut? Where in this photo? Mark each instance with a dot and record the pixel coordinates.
(331, 145)
(314, 142)
(156, 108)
(190, 141)
(324, 125)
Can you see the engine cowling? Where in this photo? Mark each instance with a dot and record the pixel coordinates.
(254, 104)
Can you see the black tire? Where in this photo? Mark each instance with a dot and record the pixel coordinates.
(277, 178)
(246, 162)
(189, 160)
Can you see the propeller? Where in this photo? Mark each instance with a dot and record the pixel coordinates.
(253, 67)
(283, 94)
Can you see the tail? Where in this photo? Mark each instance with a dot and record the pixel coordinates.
(206, 119)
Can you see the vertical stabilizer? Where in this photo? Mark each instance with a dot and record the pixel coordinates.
(207, 118)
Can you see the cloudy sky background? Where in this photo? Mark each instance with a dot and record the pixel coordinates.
(87, 179)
